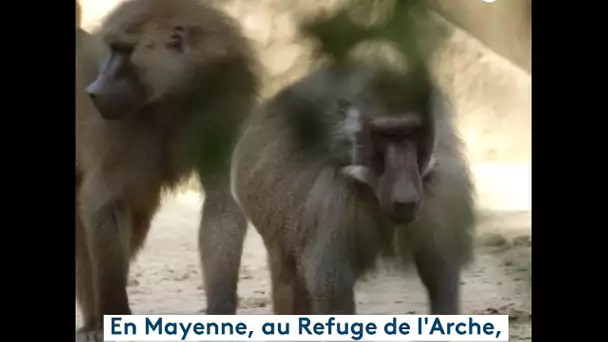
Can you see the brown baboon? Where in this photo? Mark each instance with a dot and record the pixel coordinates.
(169, 98)
(335, 167)
(86, 68)
(87, 50)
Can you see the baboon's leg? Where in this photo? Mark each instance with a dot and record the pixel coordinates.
(302, 301)
(142, 219)
(440, 276)
(108, 233)
(222, 233)
(441, 240)
(282, 275)
(289, 293)
(84, 279)
(85, 292)
(331, 298)
(330, 281)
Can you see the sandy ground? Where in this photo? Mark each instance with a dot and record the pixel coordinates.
(165, 278)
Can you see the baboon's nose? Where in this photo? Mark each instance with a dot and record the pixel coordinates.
(109, 106)
(400, 208)
(100, 86)
(93, 98)
(405, 212)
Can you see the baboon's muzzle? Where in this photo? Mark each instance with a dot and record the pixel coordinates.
(117, 91)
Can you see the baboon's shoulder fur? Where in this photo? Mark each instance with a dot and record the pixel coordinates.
(282, 188)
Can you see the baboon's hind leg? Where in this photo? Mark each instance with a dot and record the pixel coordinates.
(289, 293)
(302, 301)
(330, 281)
(142, 219)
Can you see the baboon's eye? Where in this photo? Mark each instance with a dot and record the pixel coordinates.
(176, 41)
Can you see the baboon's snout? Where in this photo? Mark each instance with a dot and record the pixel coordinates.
(405, 212)
(405, 202)
(117, 91)
(115, 98)
(109, 105)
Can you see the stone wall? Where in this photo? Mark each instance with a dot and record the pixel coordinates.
(504, 25)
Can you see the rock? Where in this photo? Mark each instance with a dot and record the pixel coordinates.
(522, 240)
(284, 28)
(492, 240)
(258, 25)
(279, 59)
(255, 302)
(518, 315)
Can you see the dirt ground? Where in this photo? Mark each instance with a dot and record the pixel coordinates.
(166, 279)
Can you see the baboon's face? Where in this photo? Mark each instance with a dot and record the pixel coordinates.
(143, 65)
(388, 153)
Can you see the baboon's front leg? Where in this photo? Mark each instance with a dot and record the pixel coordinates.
(222, 233)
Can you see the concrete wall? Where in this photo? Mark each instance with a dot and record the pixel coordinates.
(492, 96)
(504, 25)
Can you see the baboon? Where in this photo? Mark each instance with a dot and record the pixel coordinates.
(349, 164)
(88, 52)
(168, 101)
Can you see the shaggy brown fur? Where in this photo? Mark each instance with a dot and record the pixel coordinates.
(197, 97)
(322, 224)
